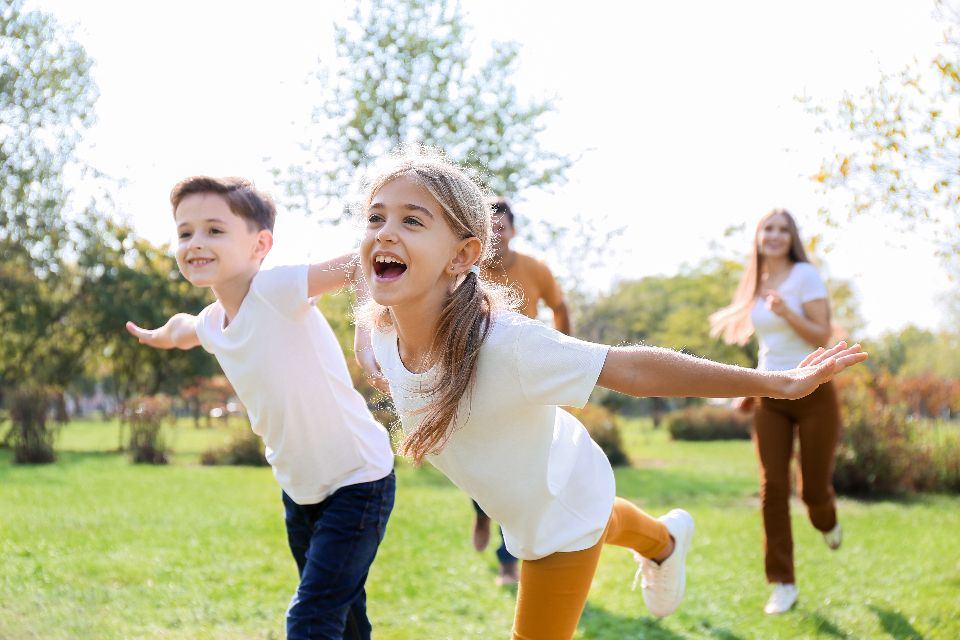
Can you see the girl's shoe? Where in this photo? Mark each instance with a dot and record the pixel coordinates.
(782, 599)
(664, 583)
(834, 537)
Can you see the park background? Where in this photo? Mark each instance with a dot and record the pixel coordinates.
(639, 144)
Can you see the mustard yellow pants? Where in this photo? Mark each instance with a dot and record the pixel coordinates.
(553, 590)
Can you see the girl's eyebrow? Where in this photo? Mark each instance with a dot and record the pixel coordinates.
(409, 207)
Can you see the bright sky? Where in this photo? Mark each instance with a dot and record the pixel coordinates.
(684, 114)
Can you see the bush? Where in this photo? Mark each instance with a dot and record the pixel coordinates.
(603, 428)
(245, 448)
(709, 423)
(147, 445)
(30, 436)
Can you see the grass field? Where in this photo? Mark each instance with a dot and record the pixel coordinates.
(94, 547)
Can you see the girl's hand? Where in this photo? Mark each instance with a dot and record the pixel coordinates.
(744, 405)
(820, 367)
(775, 302)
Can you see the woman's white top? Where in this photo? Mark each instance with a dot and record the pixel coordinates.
(530, 465)
(780, 346)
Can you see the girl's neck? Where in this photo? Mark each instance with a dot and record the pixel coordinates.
(416, 327)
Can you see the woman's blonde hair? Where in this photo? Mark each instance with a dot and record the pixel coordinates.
(733, 323)
(465, 319)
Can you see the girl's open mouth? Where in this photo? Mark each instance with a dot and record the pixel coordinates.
(388, 267)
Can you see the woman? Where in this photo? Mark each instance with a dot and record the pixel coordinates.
(782, 298)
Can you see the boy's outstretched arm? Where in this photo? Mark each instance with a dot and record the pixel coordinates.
(333, 275)
(650, 371)
(180, 332)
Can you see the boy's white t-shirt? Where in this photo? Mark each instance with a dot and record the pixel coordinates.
(283, 360)
(780, 346)
(530, 465)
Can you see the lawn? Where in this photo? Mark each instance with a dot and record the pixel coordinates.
(95, 547)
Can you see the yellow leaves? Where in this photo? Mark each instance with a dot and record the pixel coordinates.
(820, 176)
(844, 167)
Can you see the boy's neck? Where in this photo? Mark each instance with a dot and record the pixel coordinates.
(230, 294)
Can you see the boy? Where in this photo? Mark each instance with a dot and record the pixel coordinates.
(332, 460)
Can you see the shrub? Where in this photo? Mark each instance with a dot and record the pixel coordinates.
(245, 448)
(31, 437)
(709, 423)
(147, 445)
(603, 428)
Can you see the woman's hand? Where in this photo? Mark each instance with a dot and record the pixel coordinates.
(744, 405)
(774, 302)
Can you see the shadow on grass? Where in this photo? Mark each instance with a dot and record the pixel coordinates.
(896, 625)
(825, 626)
(599, 624)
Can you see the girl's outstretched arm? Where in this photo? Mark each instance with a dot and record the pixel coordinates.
(651, 371)
(179, 332)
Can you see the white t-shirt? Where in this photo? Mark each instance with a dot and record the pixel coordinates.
(530, 465)
(287, 368)
(780, 346)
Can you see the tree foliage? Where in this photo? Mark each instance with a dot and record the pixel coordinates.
(902, 146)
(406, 76)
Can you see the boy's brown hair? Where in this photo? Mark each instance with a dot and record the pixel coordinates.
(244, 200)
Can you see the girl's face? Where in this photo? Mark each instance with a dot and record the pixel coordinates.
(774, 238)
(409, 253)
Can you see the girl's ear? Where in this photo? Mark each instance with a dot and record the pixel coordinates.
(467, 255)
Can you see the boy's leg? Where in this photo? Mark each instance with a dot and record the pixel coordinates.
(819, 427)
(773, 439)
(481, 528)
(299, 529)
(552, 593)
(348, 530)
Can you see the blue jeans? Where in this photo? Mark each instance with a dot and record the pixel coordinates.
(334, 543)
(504, 556)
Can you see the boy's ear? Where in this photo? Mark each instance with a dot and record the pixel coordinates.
(468, 252)
(264, 244)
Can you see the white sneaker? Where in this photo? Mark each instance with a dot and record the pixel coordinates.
(834, 537)
(782, 599)
(664, 583)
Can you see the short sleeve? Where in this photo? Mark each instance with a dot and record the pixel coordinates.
(284, 288)
(555, 369)
(812, 286)
(207, 321)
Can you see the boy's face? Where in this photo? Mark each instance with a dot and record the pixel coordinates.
(215, 246)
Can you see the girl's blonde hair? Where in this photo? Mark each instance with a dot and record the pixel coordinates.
(733, 323)
(465, 319)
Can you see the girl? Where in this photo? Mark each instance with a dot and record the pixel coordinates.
(783, 298)
(478, 390)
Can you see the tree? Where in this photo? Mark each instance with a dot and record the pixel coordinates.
(406, 76)
(903, 144)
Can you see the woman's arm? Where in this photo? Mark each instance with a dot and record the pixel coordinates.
(813, 325)
(651, 371)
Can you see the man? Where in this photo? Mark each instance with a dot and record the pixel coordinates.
(533, 280)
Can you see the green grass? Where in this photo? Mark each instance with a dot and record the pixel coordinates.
(94, 547)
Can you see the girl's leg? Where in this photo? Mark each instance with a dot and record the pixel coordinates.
(553, 590)
(773, 438)
(819, 427)
(552, 593)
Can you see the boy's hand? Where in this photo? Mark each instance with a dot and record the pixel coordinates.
(179, 332)
(820, 367)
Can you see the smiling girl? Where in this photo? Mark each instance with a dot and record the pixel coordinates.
(478, 389)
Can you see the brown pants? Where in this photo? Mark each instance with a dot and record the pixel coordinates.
(553, 590)
(816, 419)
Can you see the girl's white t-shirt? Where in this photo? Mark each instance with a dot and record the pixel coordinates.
(780, 346)
(530, 465)
(288, 370)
